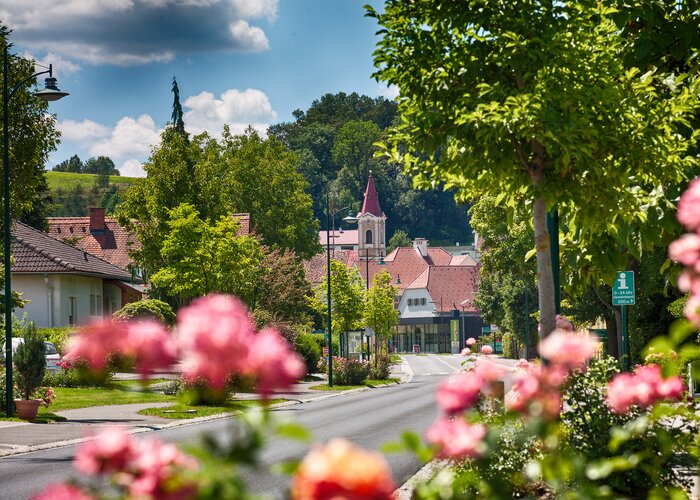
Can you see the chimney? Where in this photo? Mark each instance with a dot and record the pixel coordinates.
(420, 245)
(97, 220)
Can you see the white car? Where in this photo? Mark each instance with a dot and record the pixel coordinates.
(52, 355)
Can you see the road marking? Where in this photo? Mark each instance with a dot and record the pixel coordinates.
(445, 362)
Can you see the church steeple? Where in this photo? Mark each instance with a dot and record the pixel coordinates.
(370, 223)
(371, 202)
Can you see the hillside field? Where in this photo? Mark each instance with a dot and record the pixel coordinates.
(67, 180)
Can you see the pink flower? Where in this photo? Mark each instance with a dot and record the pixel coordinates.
(689, 206)
(150, 344)
(215, 335)
(466, 351)
(489, 370)
(275, 364)
(470, 341)
(486, 349)
(523, 364)
(692, 310)
(537, 393)
(459, 392)
(62, 491)
(567, 349)
(563, 323)
(686, 250)
(689, 281)
(111, 451)
(154, 468)
(95, 343)
(643, 388)
(457, 439)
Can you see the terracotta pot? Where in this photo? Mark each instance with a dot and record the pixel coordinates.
(27, 408)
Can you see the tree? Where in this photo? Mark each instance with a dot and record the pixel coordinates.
(353, 150)
(347, 293)
(530, 102)
(398, 239)
(176, 117)
(379, 312)
(203, 258)
(100, 165)
(73, 164)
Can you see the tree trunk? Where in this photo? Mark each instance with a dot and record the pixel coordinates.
(545, 278)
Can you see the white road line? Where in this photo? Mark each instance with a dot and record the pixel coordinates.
(445, 362)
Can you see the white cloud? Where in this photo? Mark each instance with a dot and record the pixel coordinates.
(132, 168)
(234, 108)
(130, 138)
(255, 9)
(248, 38)
(390, 92)
(82, 132)
(60, 65)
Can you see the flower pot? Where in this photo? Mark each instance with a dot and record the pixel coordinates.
(27, 408)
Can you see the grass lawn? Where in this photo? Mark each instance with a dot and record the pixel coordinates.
(182, 411)
(368, 383)
(67, 180)
(70, 398)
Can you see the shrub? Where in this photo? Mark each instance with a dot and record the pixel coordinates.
(147, 308)
(58, 336)
(380, 367)
(308, 348)
(509, 343)
(30, 362)
(349, 371)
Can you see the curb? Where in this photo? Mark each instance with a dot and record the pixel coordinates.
(427, 472)
(406, 377)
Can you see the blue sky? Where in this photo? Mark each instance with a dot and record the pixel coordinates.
(238, 62)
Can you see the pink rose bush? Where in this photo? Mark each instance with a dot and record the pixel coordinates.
(470, 341)
(486, 349)
(456, 438)
(567, 350)
(642, 388)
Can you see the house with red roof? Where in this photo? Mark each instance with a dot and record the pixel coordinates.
(66, 285)
(435, 288)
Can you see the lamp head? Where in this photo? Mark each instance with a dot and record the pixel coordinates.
(50, 92)
(350, 219)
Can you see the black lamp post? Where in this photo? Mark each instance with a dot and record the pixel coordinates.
(49, 93)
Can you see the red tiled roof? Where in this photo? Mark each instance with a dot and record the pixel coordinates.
(113, 244)
(451, 286)
(370, 205)
(315, 267)
(36, 252)
(463, 260)
(338, 238)
(244, 220)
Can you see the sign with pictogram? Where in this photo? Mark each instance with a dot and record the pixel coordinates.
(623, 289)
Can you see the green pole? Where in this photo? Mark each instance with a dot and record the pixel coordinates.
(328, 269)
(553, 229)
(625, 340)
(9, 396)
(527, 327)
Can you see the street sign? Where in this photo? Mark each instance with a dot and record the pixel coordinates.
(623, 289)
(325, 352)
(416, 348)
(369, 332)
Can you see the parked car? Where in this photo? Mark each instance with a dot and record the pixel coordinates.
(52, 355)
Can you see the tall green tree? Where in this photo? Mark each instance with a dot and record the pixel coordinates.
(379, 312)
(100, 165)
(176, 117)
(530, 101)
(73, 164)
(207, 257)
(347, 295)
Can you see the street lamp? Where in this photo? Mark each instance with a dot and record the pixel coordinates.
(464, 304)
(49, 93)
(330, 217)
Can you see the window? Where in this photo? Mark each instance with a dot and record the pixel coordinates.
(73, 310)
(410, 302)
(422, 302)
(368, 237)
(95, 305)
(92, 305)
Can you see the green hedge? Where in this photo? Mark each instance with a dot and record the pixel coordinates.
(147, 308)
(308, 348)
(58, 336)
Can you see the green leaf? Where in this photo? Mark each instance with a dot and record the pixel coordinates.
(285, 468)
(291, 430)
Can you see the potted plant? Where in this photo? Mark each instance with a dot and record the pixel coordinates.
(30, 366)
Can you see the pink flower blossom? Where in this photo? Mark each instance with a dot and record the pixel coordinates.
(470, 341)
(215, 335)
(643, 388)
(95, 343)
(62, 491)
(275, 364)
(151, 346)
(111, 451)
(466, 351)
(457, 439)
(563, 323)
(537, 392)
(489, 370)
(689, 206)
(686, 250)
(155, 466)
(523, 364)
(459, 392)
(567, 349)
(689, 281)
(486, 349)
(692, 310)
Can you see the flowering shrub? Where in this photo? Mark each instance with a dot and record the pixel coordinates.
(349, 371)
(380, 367)
(46, 395)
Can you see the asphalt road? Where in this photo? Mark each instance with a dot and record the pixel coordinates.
(368, 419)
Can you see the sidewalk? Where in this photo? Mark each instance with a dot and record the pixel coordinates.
(23, 437)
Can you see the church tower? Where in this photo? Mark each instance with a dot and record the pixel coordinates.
(370, 224)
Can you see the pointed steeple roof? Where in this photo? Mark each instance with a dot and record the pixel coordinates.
(371, 203)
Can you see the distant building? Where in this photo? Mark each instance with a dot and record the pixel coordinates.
(436, 288)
